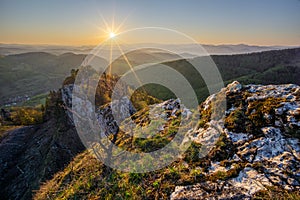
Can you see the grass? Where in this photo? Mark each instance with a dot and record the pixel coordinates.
(276, 193)
(86, 178)
(36, 100)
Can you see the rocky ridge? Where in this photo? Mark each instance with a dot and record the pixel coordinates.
(268, 156)
(253, 149)
(261, 126)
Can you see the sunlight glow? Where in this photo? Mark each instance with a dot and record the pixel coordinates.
(128, 63)
(110, 30)
(112, 34)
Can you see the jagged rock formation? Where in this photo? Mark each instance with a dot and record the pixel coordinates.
(122, 108)
(261, 124)
(31, 155)
(254, 147)
(262, 127)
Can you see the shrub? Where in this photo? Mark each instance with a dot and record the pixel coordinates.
(27, 116)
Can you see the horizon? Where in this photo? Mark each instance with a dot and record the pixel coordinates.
(203, 44)
(61, 23)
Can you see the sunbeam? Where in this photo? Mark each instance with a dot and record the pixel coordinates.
(127, 61)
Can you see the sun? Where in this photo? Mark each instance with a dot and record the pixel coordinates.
(110, 31)
(112, 35)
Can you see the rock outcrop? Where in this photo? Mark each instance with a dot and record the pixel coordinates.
(254, 148)
(262, 128)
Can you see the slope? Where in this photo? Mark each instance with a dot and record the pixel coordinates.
(260, 130)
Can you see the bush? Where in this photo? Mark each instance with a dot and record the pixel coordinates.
(26, 115)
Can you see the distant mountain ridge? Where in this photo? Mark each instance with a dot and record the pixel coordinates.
(268, 67)
(223, 49)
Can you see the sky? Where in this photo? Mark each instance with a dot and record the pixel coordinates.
(74, 22)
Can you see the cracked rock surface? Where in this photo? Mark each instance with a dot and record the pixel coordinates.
(262, 127)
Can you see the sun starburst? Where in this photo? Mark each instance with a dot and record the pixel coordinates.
(110, 30)
(111, 40)
(112, 35)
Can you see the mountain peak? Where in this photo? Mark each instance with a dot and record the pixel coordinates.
(261, 130)
(257, 148)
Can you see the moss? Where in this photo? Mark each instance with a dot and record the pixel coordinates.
(257, 109)
(224, 175)
(155, 184)
(201, 123)
(223, 149)
(150, 144)
(234, 172)
(276, 193)
(136, 178)
(251, 118)
(197, 172)
(236, 121)
(192, 153)
(219, 175)
(141, 99)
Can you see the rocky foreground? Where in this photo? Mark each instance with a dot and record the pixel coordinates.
(262, 132)
(256, 151)
(258, 145)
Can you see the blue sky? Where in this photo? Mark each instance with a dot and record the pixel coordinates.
(264, 22)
